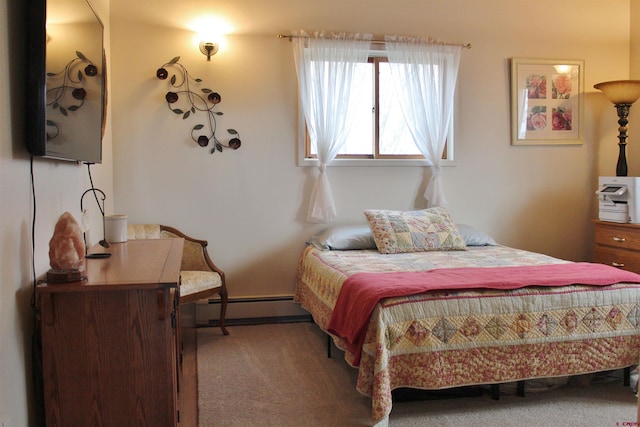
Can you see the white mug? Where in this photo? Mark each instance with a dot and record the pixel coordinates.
(115, 228)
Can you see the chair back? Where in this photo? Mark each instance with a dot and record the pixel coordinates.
(143, 231)
(193, 254)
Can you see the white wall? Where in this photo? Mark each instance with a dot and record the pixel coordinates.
(58, 187)
(635, 40)
(250, 204)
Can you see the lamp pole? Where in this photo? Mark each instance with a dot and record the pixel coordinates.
(623, 113)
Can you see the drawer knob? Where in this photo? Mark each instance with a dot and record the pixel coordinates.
(617, 264)
(618, 239)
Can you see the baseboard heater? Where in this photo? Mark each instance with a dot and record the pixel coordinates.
(251, 311)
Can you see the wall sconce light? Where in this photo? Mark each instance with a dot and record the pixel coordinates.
(209, 49)
(622, 93)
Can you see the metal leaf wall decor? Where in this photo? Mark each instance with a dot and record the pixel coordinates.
(182, 100)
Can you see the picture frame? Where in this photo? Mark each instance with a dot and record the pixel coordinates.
(547, 97)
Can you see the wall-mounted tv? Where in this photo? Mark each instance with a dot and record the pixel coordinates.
(65, 93)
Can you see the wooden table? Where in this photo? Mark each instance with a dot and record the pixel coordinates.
(110, 343)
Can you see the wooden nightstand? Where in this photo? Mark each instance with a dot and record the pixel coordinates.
(618, 244)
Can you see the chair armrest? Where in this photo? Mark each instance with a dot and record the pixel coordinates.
(195, 256)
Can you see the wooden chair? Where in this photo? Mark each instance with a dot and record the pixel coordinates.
(199, 276)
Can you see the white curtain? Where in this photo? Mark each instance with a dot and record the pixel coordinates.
(325, 65)
(425, 73)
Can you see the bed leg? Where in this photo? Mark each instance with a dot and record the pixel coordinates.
(627, 376)
(495, 391)
(328, 346)
(520, 389)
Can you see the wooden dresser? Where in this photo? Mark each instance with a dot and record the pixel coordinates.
(618, 244)
(110, 343)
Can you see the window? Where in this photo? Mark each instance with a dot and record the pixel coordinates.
(329, 89)
(379, 131)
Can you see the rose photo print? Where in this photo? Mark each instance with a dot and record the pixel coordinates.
(546, 101)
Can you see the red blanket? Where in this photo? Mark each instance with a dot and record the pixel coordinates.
(362, 291)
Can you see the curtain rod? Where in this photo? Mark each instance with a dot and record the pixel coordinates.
(376, 41)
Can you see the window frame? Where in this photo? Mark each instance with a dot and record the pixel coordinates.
(367, 160)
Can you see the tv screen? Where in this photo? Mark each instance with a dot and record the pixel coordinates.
(66, 80)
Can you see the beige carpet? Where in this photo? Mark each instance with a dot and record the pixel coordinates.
(279, 375)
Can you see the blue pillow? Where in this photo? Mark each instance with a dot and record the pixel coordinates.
(473, 237)
(344, 237)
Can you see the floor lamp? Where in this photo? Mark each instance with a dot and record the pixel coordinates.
(622, 93)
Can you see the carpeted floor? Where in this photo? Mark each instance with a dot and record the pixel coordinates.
(279, 375)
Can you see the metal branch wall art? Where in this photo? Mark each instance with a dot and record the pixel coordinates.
(66, 93)
(183, 101)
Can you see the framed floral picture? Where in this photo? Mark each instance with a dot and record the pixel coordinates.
(546, 101)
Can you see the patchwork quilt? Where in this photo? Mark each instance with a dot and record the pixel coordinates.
(450, 338)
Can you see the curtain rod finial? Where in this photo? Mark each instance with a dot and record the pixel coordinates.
(284, 36)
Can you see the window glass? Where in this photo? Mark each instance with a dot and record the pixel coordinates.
(395, 137)
(379, 130)
(360, 139)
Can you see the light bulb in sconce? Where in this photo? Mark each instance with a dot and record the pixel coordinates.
(209, 31)
(208, 48)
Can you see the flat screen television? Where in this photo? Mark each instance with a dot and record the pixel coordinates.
(65, 94)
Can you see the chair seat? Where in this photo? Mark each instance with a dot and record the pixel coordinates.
(200, 278)
(192, 282)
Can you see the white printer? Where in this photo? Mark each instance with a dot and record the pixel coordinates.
(619, 198)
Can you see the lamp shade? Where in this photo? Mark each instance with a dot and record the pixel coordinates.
(620, 91)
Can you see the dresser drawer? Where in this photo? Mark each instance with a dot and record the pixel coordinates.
(618, 236)
(624, 259)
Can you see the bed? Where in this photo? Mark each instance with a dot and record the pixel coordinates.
(448, 337)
